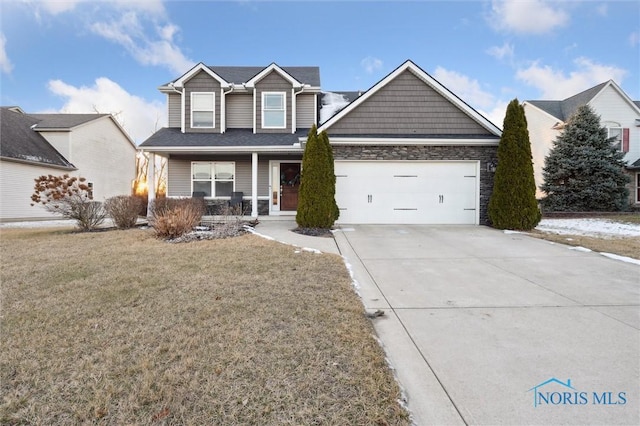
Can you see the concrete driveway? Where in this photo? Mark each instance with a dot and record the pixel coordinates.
(485, 327)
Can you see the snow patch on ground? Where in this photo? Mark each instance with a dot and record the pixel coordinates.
(622, 258)
(589, 227)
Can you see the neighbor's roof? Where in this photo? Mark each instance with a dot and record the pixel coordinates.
(173, 137)
(21, 142)
(564, 109)
(64, 121)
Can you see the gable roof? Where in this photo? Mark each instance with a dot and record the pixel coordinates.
(21, 143)
(228, 75)
(63, 121)
(428, 80)
(564, 109)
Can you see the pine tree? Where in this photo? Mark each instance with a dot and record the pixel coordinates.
(513, 202)
(317, 207)
(584, 171)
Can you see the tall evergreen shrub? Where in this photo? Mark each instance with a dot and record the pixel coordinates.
(317, 207)
(513, 203)
(584, 171)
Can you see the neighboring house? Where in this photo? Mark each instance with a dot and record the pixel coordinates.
(406, 151)
(618, 113)
(93, 146)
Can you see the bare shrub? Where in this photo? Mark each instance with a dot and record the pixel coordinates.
(173, 218)
(71, 197)
(124, 210)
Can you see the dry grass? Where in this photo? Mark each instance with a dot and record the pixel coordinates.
(120, 328)
(627, 246)
(623, 246)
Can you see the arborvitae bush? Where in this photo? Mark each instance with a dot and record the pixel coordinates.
(317, 206)
(584, 171)
(513, 203)
(71, 197)
(124, 210)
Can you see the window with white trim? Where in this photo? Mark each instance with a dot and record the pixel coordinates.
(274, 110)
(203, 110)
(615, 134)
(212, 179)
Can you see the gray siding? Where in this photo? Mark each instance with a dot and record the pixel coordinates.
(273, 82)
(407, 105)
(239, 111)
(305, 111)
(174, 106)
(178, 178)
(179, 174)
(201, 82)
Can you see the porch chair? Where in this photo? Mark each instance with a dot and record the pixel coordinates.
(236, 201)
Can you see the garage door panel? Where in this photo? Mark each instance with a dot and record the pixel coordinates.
(407, 192)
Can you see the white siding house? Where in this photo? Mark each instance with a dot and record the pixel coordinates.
(618, 113)
(93, 146)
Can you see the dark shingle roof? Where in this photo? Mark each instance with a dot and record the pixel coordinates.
(64, 121)
(173, 137)
(564, 109)
(238, 75)
(19, 141)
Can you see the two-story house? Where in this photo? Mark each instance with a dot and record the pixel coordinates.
(406, 151)
(618, 113)
(93, 146)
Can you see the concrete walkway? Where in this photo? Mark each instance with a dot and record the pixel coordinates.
(478, 320)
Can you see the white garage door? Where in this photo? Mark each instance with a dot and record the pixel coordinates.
(402, 192)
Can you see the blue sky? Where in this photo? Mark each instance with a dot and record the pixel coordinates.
(110, 56)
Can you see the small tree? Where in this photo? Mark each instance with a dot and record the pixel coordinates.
(70, 197)
(317, 206)
(513, 202)
(584, 171)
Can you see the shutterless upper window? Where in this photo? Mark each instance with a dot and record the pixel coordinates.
(274, 110)
(203, 110)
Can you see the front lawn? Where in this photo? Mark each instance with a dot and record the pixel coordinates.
(118, 327)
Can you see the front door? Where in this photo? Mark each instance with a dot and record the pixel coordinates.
(285, 183)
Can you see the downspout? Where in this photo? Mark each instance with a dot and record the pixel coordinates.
(294, 119)
(223, 109)
(181, 93)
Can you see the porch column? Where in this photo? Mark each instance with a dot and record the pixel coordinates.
(151, 184)
(254, 184)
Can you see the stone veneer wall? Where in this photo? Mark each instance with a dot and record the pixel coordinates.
(220, 207)
(485, 154)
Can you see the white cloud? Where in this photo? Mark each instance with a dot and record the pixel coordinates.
(464, 87)
(556, 84)
(371, 64)
(470, 91)
(148, 49)
(139, 117)
(141, 27)
(634, 39)
(5, 63)
(527, 16)
(501, 52)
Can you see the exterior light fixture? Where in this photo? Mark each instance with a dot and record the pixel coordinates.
(491, 166)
